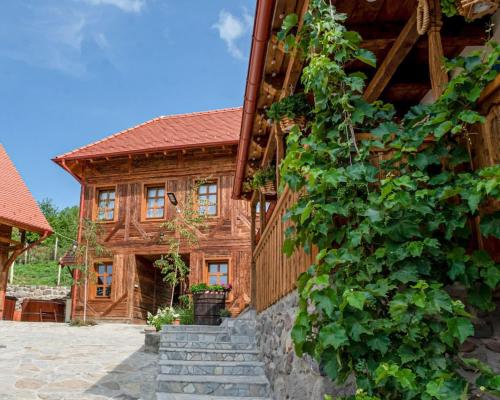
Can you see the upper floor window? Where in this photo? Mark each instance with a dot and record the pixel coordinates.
(207, 198)
(217, 273)
(106, 205)
(155, 202)
(104, 278)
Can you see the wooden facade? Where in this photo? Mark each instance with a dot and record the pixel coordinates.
(134, 242)
(410, 70)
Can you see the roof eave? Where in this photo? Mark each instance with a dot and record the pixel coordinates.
(261, 34)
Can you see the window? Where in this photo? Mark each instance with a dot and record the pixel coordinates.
(104, 277)
(217, 273)
(207, 198)
(155, 202)
(106, 205)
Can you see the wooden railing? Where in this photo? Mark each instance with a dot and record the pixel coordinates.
(275, 273)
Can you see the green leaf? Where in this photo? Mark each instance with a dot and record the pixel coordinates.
(380, 343)
(367, 57)
(460, 328)
(356, 299)
(333, 335)
(490, 225)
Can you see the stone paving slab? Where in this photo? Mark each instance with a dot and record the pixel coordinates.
(48, 361)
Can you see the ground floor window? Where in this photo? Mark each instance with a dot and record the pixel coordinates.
(104, 277)
(217, 273)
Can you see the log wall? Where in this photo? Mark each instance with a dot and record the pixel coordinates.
(226, 236)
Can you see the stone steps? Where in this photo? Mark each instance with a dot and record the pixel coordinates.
(207, 345)
(211, 362)
(218, 385)
(182, 396)
(173, 367)
(175, 353)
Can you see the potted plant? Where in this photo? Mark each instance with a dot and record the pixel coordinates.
(264, 180)
(208, 301)
(290, 111)
(225, 314)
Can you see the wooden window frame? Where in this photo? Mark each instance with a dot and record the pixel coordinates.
(144, 200)
(220, 258)
(202, 182)
(98, 190)
(93, 279)
(217, 274)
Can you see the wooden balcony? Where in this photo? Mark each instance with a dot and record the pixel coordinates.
(276, 274)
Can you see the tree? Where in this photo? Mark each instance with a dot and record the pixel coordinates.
(90, 246)
(184, 227)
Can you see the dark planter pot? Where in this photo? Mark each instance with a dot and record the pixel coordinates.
(207, 307)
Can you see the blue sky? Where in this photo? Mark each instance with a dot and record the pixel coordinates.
(75, 71)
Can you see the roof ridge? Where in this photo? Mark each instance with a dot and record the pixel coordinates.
(171, 116)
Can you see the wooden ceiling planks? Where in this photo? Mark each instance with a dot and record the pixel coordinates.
(380, 23)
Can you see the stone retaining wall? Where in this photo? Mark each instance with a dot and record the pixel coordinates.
(37, 292)
(291, 377)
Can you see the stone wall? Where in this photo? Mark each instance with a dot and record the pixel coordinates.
(37, 292)
(291, 377)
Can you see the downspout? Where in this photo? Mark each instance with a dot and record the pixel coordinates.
(261, 35)
(76, 272)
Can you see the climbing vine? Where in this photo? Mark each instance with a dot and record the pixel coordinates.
(388, 203)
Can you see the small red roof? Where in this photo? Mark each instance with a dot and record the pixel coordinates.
(17, 206)
(171, 132)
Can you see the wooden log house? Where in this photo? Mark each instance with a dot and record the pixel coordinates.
(125, 179)
(18, 211)
(409, 71)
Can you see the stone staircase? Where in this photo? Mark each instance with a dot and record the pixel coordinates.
(211, 362)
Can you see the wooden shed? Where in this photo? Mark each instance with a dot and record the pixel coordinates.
(18, 210)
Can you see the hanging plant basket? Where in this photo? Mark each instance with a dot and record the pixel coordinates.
(269, 188)
(287, 123)
(474, 9)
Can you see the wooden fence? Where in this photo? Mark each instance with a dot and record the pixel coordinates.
(275, 273)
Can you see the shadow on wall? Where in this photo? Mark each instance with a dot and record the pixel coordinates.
(132, 379)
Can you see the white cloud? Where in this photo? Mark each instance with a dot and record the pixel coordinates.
(52, 39)
(131, 6)
(231, 29)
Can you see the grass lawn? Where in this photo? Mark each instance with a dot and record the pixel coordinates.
(42, 273)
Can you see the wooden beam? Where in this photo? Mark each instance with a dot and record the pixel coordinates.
(9, 241)
(404, 43)
(438, 75)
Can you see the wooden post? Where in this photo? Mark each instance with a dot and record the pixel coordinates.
(55, 248)
(262, 201)
(253, 214)
(438, 75)
(11, 275)
(280, 154)
(4, 271)
(59, 275)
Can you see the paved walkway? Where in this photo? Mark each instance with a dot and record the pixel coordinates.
(47, 361)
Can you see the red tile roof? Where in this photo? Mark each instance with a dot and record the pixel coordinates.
(17, 205)
(197, 129)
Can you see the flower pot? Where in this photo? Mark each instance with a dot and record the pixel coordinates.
(474, 9)
(207, 307)
(149, 329)
(287, 123)
(269, 188)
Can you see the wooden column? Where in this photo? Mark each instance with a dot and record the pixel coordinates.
(280, 153)
(253, 291)
(438, 75)
(262, 201)
(4, 276)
